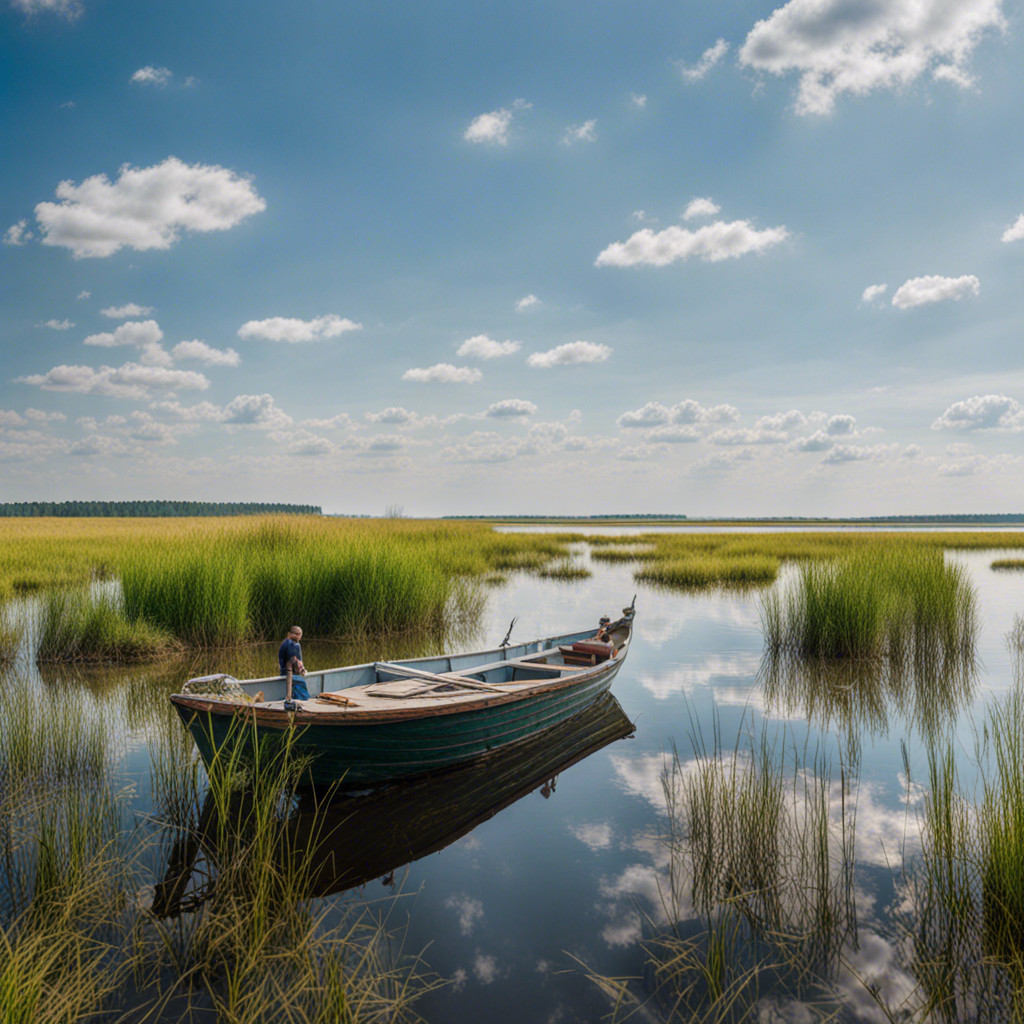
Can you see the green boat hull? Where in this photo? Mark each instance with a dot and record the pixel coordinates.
(357, 755)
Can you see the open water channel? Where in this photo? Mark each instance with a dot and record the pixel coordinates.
(572, 875)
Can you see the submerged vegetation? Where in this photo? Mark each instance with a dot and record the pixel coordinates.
(80, 938)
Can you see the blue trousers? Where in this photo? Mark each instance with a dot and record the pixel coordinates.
(299, 691)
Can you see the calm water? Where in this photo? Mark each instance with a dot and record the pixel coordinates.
(574, 870)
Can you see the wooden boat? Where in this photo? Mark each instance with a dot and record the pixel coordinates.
(367, 724)
(347, 840)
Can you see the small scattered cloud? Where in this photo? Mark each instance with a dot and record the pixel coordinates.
(38, 416)
(293, 331)
(204, 353)
(68, 105)
(494, 127)
(18, 234)
(819, 441)
(982, 412)
(873, 291)
(841, 426)
(686, 412)
(57, 325)
(340, 421)
(573, 353)
(1015, 232)
(485, 967)
(841, 453)
(527, 302)
(468, 909)
(585, 132)
(150, 75)
(146, 207)
(597, 835)
(256, 411)
(393, 414)
(711, 243)
(920, 291)
(639, 99)
(83, 295)
(708, 59)
(482, 347)
(510, 408)
(123, 312)
(69, 9)
(132, 380)
(145, 335)
(444, 373)
(837, 48)
(789, 420)
(702, 206)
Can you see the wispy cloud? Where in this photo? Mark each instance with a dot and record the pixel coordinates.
(125, 311)
(708, 59)
(150, 75)
(920, 291)
(711, 243)
(444, 373)
(585, 132)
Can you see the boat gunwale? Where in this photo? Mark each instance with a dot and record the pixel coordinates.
(281, 719)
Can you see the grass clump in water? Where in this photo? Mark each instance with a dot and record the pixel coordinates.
(890, 603)
(1008, 563)
(12, 632)
(565, 570)
(708, 570)
(78, 625)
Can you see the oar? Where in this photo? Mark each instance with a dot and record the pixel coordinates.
(289, 704)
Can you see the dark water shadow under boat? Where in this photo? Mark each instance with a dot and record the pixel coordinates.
(342, 840)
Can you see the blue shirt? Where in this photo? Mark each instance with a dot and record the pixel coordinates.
(289, 649)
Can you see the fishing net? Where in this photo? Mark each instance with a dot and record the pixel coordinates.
(219, 687)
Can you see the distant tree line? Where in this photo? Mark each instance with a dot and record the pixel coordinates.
(643, 515)
(114, 509)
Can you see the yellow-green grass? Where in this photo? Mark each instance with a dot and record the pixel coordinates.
(77, 934)
(896, 602)
(566, 569)
(1008, 563)
(693, 560)
(74, 624)
(964, 912)
(12, 631)
(238, 580)
(758, 896)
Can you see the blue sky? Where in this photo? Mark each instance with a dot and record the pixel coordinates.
(534, 259)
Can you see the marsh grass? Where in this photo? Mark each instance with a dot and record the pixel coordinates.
(964, 904)
(564, 570)
(12, 633)
(701, 571)
(83, 625)
(895, 603)
(78, 941)
(1008, 563)
(759, 895)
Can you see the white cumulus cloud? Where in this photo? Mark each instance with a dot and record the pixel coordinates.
(708, 59)
(702, 206)
(688, 412)
(526, 302)
(256, 411)
(1015, 232)
(146, 207)
(585, 132)
(58, 325)
(639, 99)
(444, 373)
(982, 412)
(482, 347)
(281, 328)
(145, 335)
(919, 291)
(17, 234)
(873, 291)
(132, 380)
(841, 47)
(839, 426)
(510, 408)
(150, 75)
(570, 354)
(206, 354)
(711, 243)
(125, 311)
(493, 127)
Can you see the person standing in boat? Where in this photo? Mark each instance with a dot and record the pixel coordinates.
(289, 655)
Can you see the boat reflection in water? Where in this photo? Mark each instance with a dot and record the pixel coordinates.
(347, 839)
